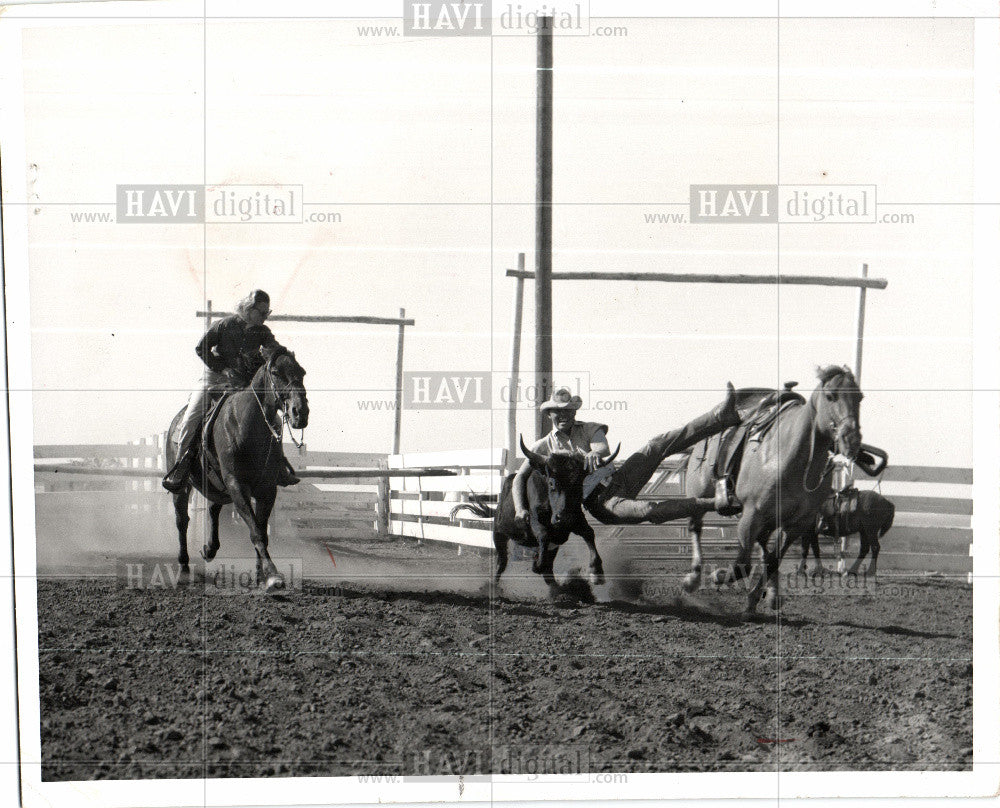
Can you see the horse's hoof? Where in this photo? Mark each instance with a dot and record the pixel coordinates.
(596, 578)
(275, 583)
(691, 582)
(773, 601)
(718, 577)
(208, 553)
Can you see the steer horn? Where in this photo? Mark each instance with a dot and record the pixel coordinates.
(536, 460)
(611, 458)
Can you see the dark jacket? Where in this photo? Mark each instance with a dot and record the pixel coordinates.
(234, 343)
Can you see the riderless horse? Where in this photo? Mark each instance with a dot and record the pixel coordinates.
(781, 479)
(241, 457)
(870, 516)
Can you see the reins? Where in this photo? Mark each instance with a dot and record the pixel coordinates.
(279, 404)
(812, 453)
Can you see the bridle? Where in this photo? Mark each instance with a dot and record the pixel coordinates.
(278, 396)
(835, 427)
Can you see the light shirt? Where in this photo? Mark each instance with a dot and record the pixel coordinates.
(581, 435)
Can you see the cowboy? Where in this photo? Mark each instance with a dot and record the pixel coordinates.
(611, 494)
(231, 350)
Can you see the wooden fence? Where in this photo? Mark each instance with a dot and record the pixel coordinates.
(932, 531)
(420, 507)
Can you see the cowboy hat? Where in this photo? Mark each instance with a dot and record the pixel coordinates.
(562, 399)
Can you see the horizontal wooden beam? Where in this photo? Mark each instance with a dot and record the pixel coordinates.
(699, 277)
(66, 468)
(317, 318)
(361, 471)
(322, 474)
(109, 450)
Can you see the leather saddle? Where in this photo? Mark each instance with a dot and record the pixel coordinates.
(206, 457)
(758, 408)
(836, 514)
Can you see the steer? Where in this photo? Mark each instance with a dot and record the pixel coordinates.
(555, 508)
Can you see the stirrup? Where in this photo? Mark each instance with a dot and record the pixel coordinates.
(726, 503)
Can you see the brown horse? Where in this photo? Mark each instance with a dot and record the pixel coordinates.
(781, 482)
(246, 439)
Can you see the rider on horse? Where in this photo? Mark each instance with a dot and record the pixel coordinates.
(231, 349)
(611, 495)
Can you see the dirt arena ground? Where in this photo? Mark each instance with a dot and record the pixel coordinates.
(425, 675)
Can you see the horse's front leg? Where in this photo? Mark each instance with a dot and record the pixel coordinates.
(801, 569)
(265, 504)
(586, 532)
(747, 529)
(182, 520)
(818, 568)
(240, 495)
(209, 550)
(693, 579)
(780, 541)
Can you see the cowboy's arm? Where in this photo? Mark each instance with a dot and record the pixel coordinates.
(599, 449)
(206, 349)
(520, 492)
(268, 344)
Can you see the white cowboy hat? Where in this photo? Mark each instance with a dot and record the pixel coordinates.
(562, 399)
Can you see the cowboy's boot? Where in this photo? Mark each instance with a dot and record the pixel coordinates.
(726, 503)
(177, 478)
(286, 474)
(726, 412)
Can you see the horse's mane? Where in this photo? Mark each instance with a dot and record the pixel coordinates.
(824, 374)
(272, 355)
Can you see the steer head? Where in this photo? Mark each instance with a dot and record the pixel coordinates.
(564, 474)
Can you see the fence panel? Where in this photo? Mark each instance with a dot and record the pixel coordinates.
(420, 507)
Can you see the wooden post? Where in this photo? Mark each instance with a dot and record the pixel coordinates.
(859, 346)
(208, 314)
(543, 220)
(515, 364)
(399, 385)
(382, 503)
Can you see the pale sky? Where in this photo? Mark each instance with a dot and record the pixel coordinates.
(441, 133)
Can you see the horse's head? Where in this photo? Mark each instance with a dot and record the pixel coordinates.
(564, 475)
(837, 402)
(287, 375)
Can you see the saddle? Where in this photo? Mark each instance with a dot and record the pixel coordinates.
(206, 449)
(837, 512)
(758, 408)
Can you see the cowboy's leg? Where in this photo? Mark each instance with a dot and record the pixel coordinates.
(198, 404)
(637, 470)
(620, 510)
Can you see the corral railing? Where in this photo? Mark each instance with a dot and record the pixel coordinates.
(420, 507)
(117, 488)
(346, 507)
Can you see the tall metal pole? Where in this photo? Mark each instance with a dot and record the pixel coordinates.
(515, 367)
(543, 220)
(860, 343)
(399, 385)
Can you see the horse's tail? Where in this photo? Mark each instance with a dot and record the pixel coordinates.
(889, 515)
(479, 506)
